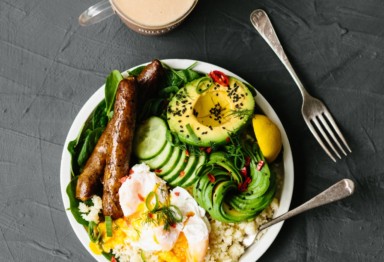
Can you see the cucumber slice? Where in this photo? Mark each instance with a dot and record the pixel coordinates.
(186, 172)
(171, 163)
(180, 165)
(159, 160)
(150, 138)
(194, 176)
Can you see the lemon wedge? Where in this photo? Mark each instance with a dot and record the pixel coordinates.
(268, 137)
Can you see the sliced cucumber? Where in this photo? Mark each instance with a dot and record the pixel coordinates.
(180, 165)
(186, 172)
(159, 160)
(150, 138)
(194, 176)
(171, 163)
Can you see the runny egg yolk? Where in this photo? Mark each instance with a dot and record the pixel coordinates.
(178, 252)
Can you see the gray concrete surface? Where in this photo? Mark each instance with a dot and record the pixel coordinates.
(49, 66)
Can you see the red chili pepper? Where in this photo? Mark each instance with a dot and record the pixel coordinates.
(247, 161)
(243, 171)
(186, 152)
(242, 187)
(140, 197)
(208, 150)
(158, 171)
(131, 171)
(150, 215)
(182, 173)
(260, 165)
(228, 139)
(113, 259)
(219, 77)
(177, 193)
(211, 178)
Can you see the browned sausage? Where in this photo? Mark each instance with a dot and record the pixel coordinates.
(89, 181)
(120, 147)
(149, 80)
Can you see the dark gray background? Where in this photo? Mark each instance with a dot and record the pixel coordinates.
(49, 66)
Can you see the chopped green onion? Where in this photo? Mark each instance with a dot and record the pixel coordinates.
(203, 85)
(191, 132)
(149, 201)
(93, 233)
(193, 65)
(108, 225)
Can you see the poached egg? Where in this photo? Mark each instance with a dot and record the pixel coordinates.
(140, 195)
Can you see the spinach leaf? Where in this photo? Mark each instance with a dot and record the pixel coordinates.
(180, 77)
(136, 71)
(111, 85)
(75, 145)
(188, 75)
(166, 92)
(172, 78)
(91, 138)
(74, 203)
(99, 116)
(72, 151)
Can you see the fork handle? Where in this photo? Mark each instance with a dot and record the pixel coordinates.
(340, 190)
(263, 25)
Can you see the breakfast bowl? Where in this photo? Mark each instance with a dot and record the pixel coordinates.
(251, 248)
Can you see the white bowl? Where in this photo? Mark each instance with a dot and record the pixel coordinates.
(252, 253)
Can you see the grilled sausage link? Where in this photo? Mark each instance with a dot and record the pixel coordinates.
(120, 147)
(89, 181)
(149, 80)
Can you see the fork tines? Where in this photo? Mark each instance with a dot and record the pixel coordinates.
(325, 121)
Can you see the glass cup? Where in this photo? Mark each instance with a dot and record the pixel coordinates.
(107, 8)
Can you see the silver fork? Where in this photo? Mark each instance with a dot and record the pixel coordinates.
(315, 113)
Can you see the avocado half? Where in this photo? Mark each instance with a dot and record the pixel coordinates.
(203, 112)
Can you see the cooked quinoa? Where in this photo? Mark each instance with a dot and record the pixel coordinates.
(228, 241)
(91, 213)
